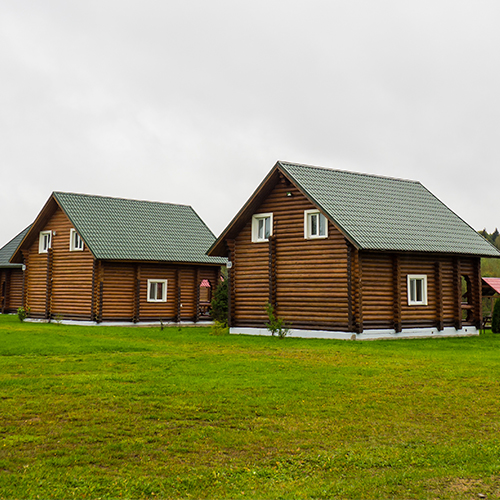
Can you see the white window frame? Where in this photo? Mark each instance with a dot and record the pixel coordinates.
(308, 215)
(75, 241)
(412, 290)
(42, 248)
(255, 227)
(163, 298)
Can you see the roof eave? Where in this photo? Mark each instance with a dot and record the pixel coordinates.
(311, 198)
(239, 220)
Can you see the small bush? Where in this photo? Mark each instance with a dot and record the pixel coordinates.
(219, 328)
(23, 313)
(276, 325)
(219, 303)
(495, 318)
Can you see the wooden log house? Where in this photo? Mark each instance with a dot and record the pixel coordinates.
(11, 277)
(110, 259)
(347, 255)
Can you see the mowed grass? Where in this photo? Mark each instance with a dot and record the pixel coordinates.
(128, 412)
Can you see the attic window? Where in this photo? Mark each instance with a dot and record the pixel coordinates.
(45, 241)
(262, 227)
(417, 289)
(157, 290)
(315, 225)
(75, 241)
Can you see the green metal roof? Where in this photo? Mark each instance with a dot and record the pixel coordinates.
(383, 213)
(122, 229)
(7, 251)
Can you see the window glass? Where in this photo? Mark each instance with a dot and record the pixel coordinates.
(322, 225)
(44, 241)
(157, 290)
(262, 227)
(315, 225)
(75, 242)
(417, 289)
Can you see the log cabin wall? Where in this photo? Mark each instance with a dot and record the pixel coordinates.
(122, 291)
(118, 291)
(378, 290)
(71, 295)
(158, 310)
(11, 290)
(385, 291)
(58, 282)
(421, 316)
(15, 291)
(305, 278)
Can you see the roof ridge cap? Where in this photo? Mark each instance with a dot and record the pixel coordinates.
(364, 174)
(86, 195)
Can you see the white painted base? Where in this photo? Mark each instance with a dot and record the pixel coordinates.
(409, 333)
(120, 323)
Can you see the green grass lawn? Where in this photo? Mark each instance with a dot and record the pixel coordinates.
(116, 412)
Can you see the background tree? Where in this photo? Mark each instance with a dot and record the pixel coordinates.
(220, 303)
(495, 318)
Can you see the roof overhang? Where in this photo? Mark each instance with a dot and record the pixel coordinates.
(491, 286)
(40, 222)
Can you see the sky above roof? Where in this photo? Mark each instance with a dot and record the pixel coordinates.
(193, 102)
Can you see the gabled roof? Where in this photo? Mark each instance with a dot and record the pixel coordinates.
(375, 213)
(492, 286)
(7, 251)
(133, 230)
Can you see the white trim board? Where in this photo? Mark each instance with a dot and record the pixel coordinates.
(408, 333)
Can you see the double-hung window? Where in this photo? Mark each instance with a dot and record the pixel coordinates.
(75, 241)
(262, 227)
(417, 289)
(315, 224)
(157, 290)
(45, 241)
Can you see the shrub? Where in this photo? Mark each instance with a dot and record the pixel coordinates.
(219, 303)
(23, 313)
(219, 328)
(276, 325)
(495, 318)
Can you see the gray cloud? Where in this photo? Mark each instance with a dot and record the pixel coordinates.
(193, 102)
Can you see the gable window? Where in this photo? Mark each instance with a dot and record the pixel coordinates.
(315, 224)
(75, 241)
(45, 241)
(262, 227)
(157, 290)
(417, 289)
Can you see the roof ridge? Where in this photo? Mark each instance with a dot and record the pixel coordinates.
(388, 177)
(55, 193)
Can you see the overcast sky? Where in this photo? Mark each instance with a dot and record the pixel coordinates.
(193, 102)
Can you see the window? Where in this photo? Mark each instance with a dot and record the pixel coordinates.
(157, 290)
(315, 224)
(417, 290)
(45, 241)
(262, 227)
(75, 242)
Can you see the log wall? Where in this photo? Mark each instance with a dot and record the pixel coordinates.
(59, 283)
(122, 290)
(305, 279)
(385, 291)
(11, 290)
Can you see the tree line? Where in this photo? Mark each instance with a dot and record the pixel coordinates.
(493, 238)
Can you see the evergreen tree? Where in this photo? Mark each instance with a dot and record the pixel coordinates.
(484, 234)
(220, 303)
(497, 242)
(495, 318)
(494, 235)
